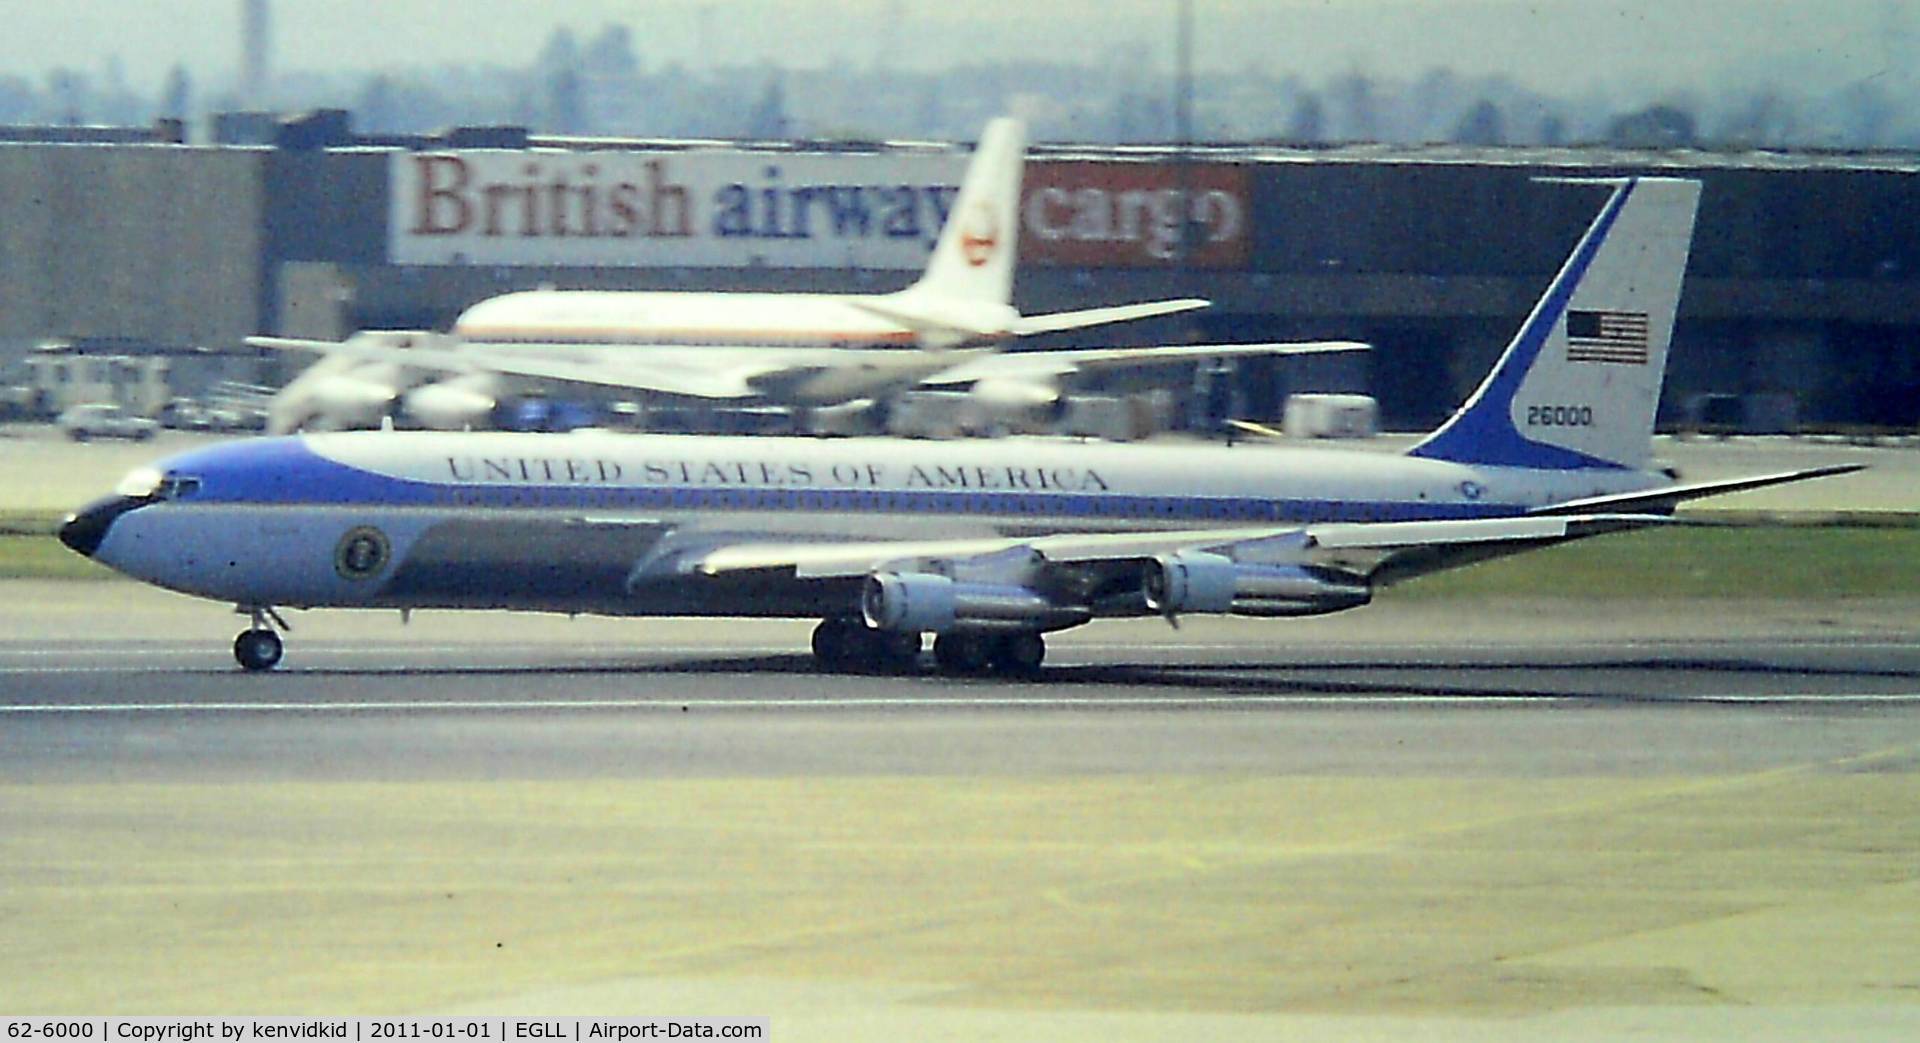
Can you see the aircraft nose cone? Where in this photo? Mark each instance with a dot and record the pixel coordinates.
(82, 535)
(84, 529)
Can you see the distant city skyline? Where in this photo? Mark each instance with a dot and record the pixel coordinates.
(1568, 46)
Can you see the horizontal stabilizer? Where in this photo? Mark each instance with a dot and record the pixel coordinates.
(1049, 363)
(1396, 552)
(1664, 499)
(1400, 535)
(1027, 325)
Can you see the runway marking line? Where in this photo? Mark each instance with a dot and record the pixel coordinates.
(962, 702)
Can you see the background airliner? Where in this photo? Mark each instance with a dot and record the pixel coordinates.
(986, 545)
(806, 349)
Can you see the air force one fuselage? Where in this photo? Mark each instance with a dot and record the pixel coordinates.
(986, 545)
(611, 523)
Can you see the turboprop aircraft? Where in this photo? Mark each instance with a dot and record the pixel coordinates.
(986, 545)
(802, 349)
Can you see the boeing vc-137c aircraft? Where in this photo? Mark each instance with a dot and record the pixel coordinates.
(986, 545)
(805, 349)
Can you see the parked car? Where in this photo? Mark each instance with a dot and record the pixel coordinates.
(238, 418)
(105, 420)
(20, 402)
(185, 414)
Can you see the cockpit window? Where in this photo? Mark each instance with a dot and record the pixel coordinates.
(148, 484)
(142, 482)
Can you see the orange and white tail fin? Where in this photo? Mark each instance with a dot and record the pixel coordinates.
(973, 258)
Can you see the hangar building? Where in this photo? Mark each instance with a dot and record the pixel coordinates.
(1802, 280)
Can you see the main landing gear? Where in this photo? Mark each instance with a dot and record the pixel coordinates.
(259, 646)
(850, 645)
(961, 652)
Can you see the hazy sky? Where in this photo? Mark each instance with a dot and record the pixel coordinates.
(1562, 45)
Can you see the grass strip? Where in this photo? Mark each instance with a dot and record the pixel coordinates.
(28, 523)
(1733, 562)
(43, 557)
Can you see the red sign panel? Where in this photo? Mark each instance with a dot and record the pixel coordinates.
(1089, 213)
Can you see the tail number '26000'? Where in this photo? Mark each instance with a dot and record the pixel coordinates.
(1559, 416)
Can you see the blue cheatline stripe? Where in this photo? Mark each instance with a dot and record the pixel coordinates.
(285, 472)
(1484, 433)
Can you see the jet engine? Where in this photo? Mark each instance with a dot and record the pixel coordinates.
(350, 399)
(337, 395)
(915, 602)
(1195, 581)
(1014, 403)
(463, 403)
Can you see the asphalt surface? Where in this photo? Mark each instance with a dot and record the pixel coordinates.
(1139, 699)
(1463, 821)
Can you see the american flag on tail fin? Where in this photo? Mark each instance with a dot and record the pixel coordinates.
(1607, 336)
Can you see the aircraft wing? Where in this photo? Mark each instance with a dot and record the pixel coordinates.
(1054, 322)
(1051, 363)
(826, 560)
(1382, 552)
(425, 350)
(719, 372)
(1345, 544)
(713, 373)
(1104, 566)
(710, 373)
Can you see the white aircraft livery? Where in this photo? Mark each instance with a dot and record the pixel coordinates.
(805, 349)
(985, 545)
(965, 294)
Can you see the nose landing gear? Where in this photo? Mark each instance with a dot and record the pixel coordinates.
(259, 647)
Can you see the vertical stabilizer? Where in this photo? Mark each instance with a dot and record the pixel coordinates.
(973, 259)
(1578, 386)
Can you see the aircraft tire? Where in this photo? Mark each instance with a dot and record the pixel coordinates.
(258, 650)
(962, 653)
(1019, 654)
(834, 643)
(896, 651)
